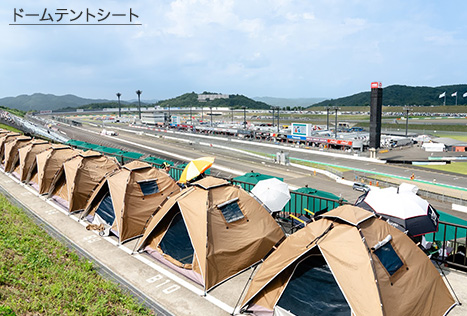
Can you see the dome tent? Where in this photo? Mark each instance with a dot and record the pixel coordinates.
(46, 165)
(348, 262)
(11, 151)
(86, 169)
(210, 232)
(27, 157)
(126, 199)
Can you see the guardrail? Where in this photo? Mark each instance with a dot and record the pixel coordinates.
(449, 245)
(300, 201)
(367, 178)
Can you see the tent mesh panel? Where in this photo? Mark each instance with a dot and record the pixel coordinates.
(176, 241)
(312, 290)
(106, 210)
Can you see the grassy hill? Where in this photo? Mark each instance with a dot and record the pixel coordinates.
(404, 95)
(40, 101)
(234, 100)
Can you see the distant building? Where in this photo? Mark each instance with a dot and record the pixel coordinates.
(208, 97)
(154, 118)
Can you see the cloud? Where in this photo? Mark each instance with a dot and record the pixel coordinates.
(277, 47)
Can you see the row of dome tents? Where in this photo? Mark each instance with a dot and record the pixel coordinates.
(213, 230)
(231, 233)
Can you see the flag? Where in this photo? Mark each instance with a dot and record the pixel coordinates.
(465, 95)
(442, 95)
(454, 94)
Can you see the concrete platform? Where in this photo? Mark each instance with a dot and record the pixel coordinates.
(173, 292)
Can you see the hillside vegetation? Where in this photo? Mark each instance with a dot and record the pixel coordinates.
(40, 276)
(191, 99)
(404, 95)
(40, 101)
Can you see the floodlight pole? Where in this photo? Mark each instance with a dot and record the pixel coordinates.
(170, 117)
(278, 117)
(327, 117)
(272, 116)
(244, 117)
(119, 105)
(335, 128)
(406, 109)
(138, 92)
(210, 108)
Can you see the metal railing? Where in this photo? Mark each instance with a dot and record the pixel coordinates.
(300, 201)
(449, 245)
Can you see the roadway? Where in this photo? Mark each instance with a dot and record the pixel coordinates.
(240, 158)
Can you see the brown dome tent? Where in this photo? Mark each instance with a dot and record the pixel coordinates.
(46, 165)
(126, 199)
(4, 139)
(210, 232)
(11, 151)
(78, 177)
(348, 263)
(27, 157)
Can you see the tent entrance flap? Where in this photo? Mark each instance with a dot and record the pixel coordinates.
(312, 290)
(106, 209)
(176, 241)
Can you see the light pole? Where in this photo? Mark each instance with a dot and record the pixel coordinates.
(191, 117)
(170, 116)
(278, 117)
(272, 116)
(327, 116)
(406, 109)
(210, 108)
(335, 129)
(232, 114)
(119, 106)
(244, 116)
(138, 92)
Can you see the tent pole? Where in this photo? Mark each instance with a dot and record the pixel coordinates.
(246, 285)
(450, 286)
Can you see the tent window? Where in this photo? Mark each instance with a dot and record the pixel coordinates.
(312, 290)
(388, 256)
(148, 187)
(231, 211)
(106, 210)
(176, 242)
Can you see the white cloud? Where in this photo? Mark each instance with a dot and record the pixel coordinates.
(276, 47)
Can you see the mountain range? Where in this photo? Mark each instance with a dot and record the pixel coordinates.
(392, 95)
(404, 95)
(40, 102)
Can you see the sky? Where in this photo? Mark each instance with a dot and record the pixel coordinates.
(276, 48)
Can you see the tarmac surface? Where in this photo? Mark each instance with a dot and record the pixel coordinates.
(245, 156)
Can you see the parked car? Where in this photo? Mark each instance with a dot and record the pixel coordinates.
(360, 187)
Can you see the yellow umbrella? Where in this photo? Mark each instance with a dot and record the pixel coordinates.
(195, 168)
